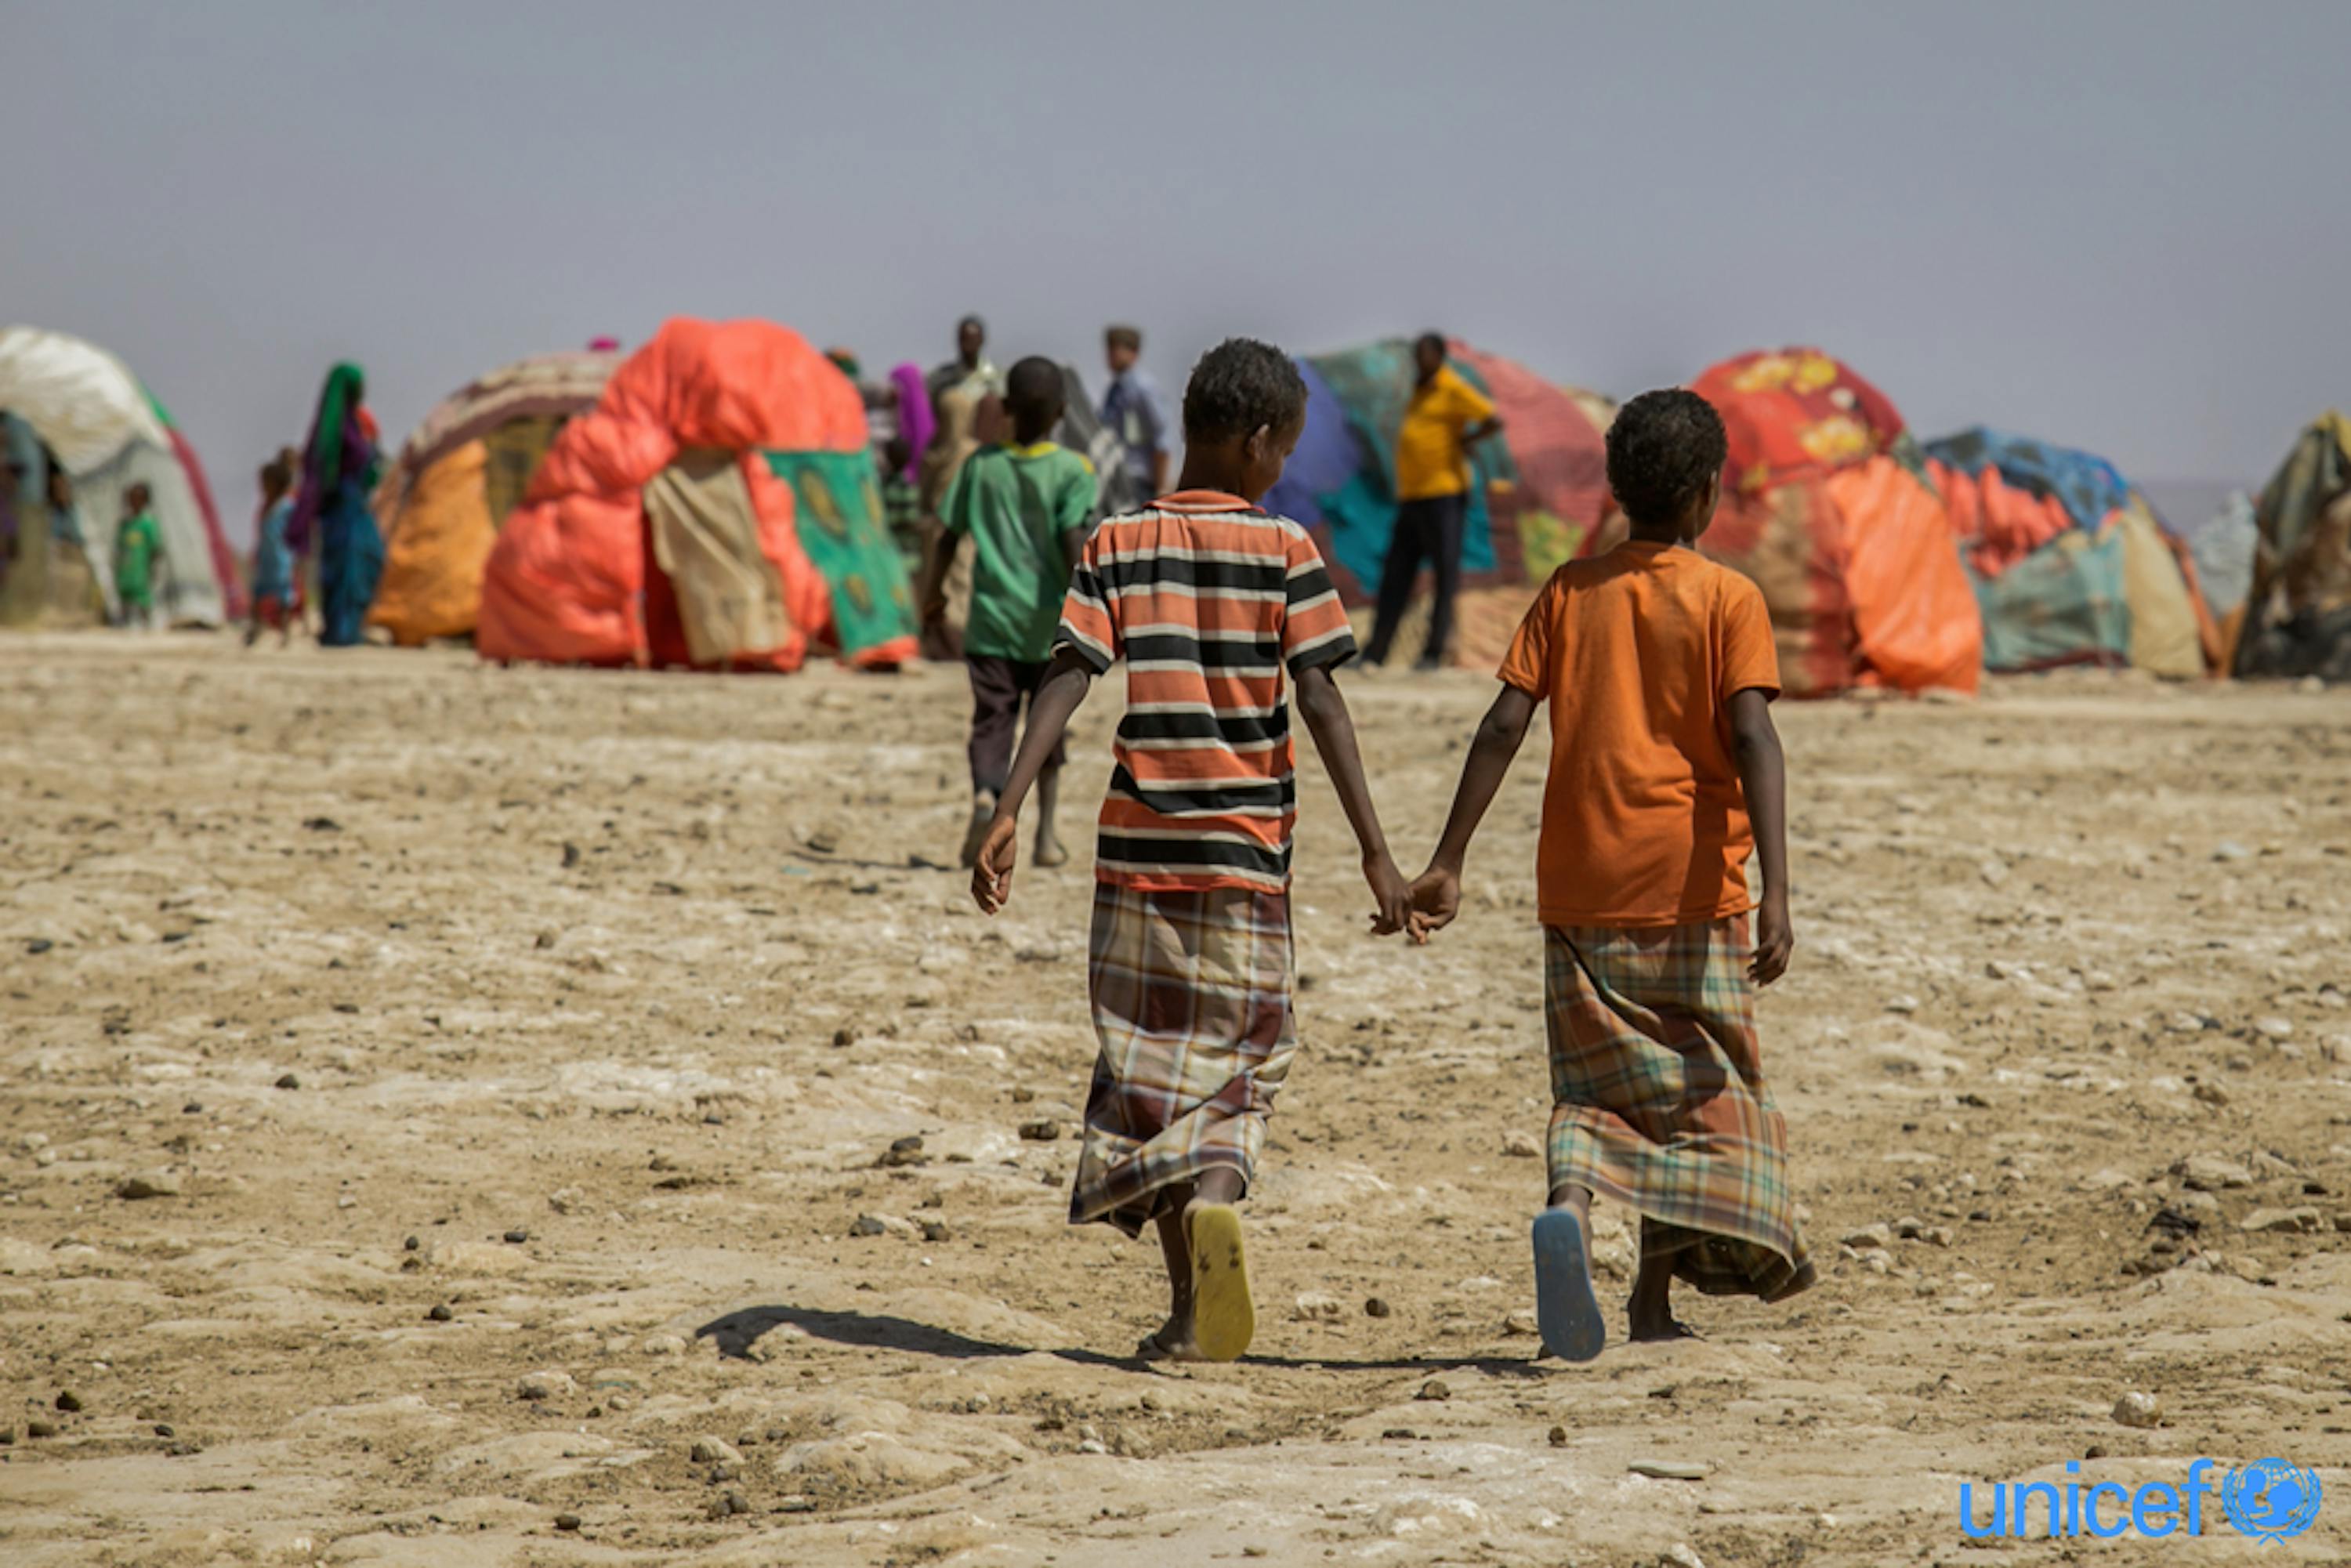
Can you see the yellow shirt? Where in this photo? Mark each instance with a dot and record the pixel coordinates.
(1429, 458)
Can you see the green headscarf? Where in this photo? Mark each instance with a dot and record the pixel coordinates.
(335, 402)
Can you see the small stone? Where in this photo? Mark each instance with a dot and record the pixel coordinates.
(36, 1427)
(517, 1236)
(1938, 1236)
(728, 1503)
(2210, 1173)
(1679, 1555)
(1521, 1144)
(2136, 1409)
(1044, 1130)
(566, 1521)
(1669, 1470)
(1316, 1306)
(1521, 1321)
(411, 1245)
(440, 1312)
(2211, 1094)
(149, 1183)
(1375, 1307)
(1993, 872)
(659, 1344)
(937, 1230)
(287, 1080)
(193, 1108)
(1434, 1389)
(2276, 1028)
(1869, 1237)
(1093, 1446)
(1904, 1004)
(905, 1151)
(549, 1384)
(38, 945)
(1908, 1227)
(1558, 1437)
(163, 1428)
(2301, 1220)
(1023, 1095)
(708, 1450)
(844, 1038)
(69, 1402)
(2229, 850)
(868, 1225)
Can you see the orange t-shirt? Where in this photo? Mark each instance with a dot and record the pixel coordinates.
(1638, 653)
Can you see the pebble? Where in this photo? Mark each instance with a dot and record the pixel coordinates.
(881, 1225)
(566, 1521)
(1093, 1446)
(935, 1230)
(38, 1427)
(163, 1429)
(1316, 1307)
(2136, 1409)
(517, 1236)
(149, 1183)
(1522, 1146)
(69, 1402)
(708, 1450)
(660, 1345)
(905, 1151)
(1868, 1236)
(1376, 1307)
(1669, 1470)
(2210, 1173)
(2283, 1220)
(287, 1080)
(2211, 1094)
(2229, 850)
(411, 1245)
(2276, 1028)
(547, 1385)
(727, 1503)
(440, 1312)
(1434, 1389)
(1679, 1555)
(1521, 1321)
(1044, 1130)
(1905, 1004)
(38, 945)
(1558, 1437)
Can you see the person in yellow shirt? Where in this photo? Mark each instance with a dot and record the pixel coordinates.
(1445, 417)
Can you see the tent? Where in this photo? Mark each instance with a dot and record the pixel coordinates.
(1825, 505)
(716, 509)
(1536, 498)
(2298, 614)
(441, 501)
(2069, 562)
(107, 433)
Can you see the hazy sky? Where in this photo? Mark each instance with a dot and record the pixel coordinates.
(2119, 224)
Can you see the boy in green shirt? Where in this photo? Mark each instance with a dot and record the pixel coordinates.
(136, 545)
(1024, 504)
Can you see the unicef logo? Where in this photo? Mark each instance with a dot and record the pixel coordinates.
(2270, 1500)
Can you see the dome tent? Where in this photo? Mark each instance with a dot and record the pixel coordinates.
(108, 433)
(716, 509)
(1536, 498)
(462, 470)
(1826, 506)
(2298, 614)
(2069, 562)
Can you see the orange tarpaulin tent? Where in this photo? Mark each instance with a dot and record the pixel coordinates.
(1825, 506)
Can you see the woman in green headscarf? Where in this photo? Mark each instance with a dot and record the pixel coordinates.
(338, 470)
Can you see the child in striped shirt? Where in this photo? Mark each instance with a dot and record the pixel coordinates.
(1218, 608)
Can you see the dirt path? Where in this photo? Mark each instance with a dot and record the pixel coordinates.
(517, 1052)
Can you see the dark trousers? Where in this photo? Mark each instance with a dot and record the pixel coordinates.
(1426, 530)
(1000, 687)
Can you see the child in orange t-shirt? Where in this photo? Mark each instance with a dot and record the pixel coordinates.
(1666, 774)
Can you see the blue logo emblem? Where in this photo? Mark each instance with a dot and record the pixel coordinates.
(2270, 1500)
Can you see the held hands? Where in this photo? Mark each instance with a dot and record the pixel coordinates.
(1775, 938)
(1394, 896)
(991, 871)
(1435, 900)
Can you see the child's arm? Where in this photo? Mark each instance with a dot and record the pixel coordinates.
(1065, 686)
(1333, 730)
(931, 593)
(1436, 896)
(1764, 776)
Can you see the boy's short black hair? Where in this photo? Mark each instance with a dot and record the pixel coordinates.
(1662, 450)
(1429, 340)
(1124, 337)
(1034, 384)
(1239, 385)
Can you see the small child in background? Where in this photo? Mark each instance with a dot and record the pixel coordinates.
(1219, 609)
(275, 604)
(902, 503)
(136, 545)
(1665, 773)
(1024, 504)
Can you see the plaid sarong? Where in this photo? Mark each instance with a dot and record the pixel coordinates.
(1191, 1000)
(1658, 1100)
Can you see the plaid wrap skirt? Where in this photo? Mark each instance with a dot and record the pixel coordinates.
(1658, 1100)
(1191, 1001)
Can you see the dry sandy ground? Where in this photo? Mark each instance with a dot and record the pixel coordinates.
(511, 1034)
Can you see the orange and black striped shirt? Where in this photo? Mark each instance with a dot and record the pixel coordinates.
(1215, 606)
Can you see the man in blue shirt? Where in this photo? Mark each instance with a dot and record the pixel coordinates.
(1131, 410)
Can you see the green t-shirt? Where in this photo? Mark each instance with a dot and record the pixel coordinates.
(1015, 503)
(134, 557)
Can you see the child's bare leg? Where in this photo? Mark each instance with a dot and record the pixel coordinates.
(1650, 1314)
(1048, 850)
